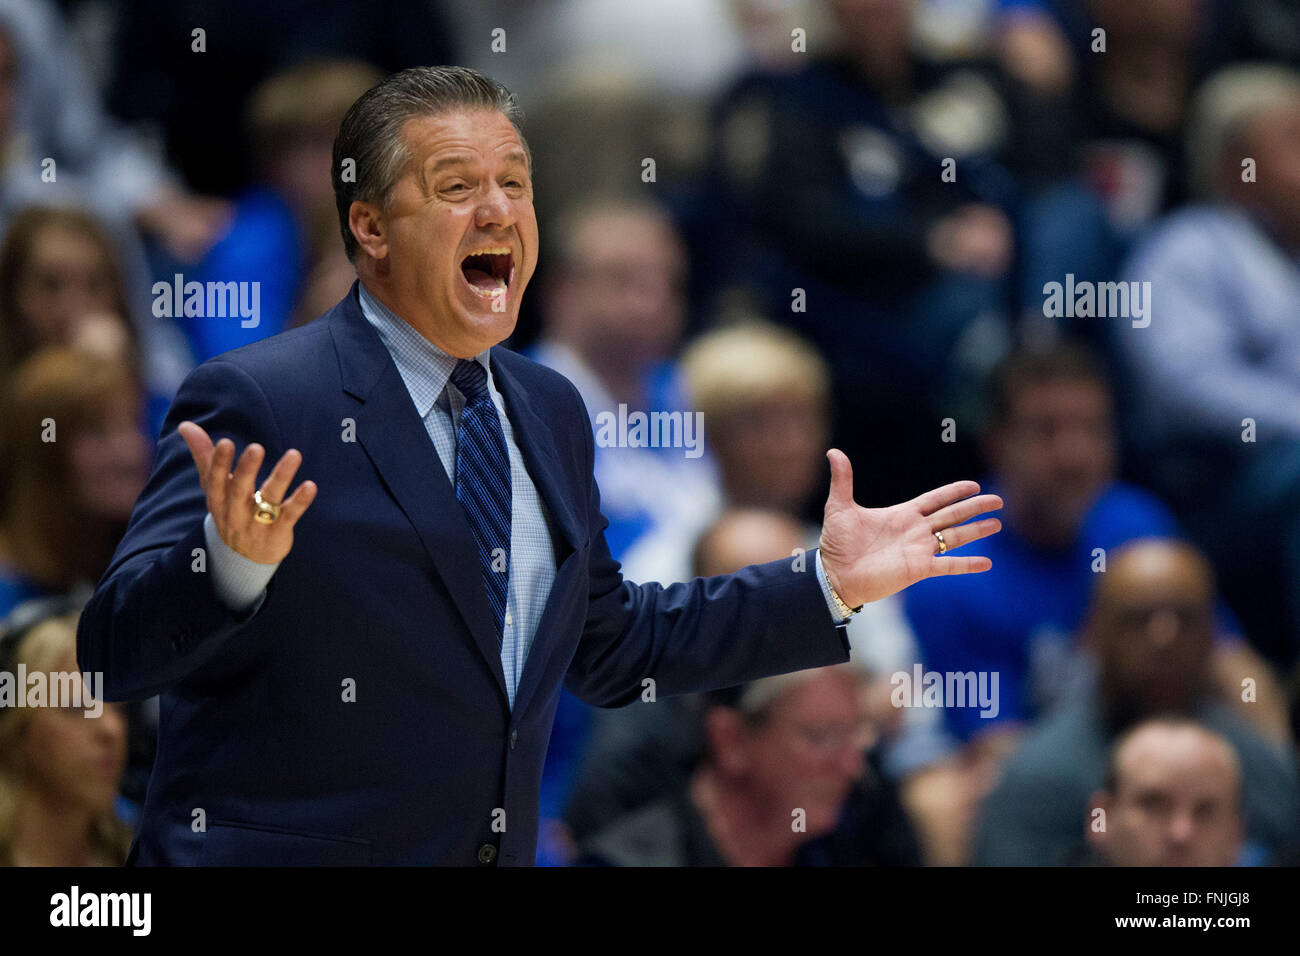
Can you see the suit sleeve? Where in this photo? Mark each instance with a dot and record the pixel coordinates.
(697, 636)
(155, 616)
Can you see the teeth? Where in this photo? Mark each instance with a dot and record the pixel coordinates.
(492, 251)
(491, 293)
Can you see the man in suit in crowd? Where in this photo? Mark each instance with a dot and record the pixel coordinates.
(374, 680)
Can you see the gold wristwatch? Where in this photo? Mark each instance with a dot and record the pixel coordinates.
(844, 609)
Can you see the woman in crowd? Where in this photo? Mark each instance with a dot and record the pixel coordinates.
(60, 766)
(72, 461)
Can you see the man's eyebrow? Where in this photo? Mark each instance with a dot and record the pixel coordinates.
(464, 159)
(455, 159)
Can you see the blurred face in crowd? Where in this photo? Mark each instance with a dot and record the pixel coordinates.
(621, 295)
(1151, 626)
(457, 244)
(1053, 456)
(67, 282)
(72, 759)
(771, 451)
(807, 752)
(1176, 801)
(110, 459)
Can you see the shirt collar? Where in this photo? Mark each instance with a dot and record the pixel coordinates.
(425, 368)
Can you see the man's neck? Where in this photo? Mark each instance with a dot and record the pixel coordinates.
(409, 313)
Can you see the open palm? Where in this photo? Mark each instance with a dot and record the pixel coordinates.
(871, 553)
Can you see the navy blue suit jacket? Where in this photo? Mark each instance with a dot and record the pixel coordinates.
(260, 759)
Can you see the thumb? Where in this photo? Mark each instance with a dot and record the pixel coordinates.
(199, 443)
(841, 493)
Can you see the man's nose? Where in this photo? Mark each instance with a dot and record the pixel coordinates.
(1181, 828)
(494, 209)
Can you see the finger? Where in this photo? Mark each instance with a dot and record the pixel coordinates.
(973, 564)
(199, 444)
(303, 496)
(245, 478)
(966, 533)
(277, 483)
(218, 479)
(954, 515)
(841, 493)
(932, 501)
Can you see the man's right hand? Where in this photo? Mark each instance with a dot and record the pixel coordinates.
(230, 494)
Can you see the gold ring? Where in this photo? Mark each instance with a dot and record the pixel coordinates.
(264, 511)
(943, 545)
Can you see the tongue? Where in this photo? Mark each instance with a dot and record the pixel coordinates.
(483, 281)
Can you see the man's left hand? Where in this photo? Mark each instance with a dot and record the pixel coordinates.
(871, 553)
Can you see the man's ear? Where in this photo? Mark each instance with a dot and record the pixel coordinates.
(366, 220)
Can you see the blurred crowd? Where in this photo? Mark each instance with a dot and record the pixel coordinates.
(1053, 245)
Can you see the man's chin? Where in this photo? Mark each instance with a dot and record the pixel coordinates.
(487, 326)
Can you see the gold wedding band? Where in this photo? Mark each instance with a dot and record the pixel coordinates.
(264, 511)
(943, 545)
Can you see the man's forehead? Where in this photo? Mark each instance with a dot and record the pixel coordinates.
(465, 135)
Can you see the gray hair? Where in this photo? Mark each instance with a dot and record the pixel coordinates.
(1224, 108)
(371, 132)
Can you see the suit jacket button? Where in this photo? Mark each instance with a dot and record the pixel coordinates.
(487, 853)
(514, 738)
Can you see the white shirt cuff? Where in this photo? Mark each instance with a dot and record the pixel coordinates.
(826, 592)
(240, 582)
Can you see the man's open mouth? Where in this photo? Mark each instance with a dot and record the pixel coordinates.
(489, 271)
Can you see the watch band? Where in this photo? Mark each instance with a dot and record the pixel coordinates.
(844, 609)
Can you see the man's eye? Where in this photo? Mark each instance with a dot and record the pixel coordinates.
(454, 186)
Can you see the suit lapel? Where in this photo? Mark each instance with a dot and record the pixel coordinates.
(393, 436)
(537, 444)
(533, 436)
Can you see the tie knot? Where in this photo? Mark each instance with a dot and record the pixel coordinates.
(471, 378)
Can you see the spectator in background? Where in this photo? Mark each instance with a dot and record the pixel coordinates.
(59, 766)
(1150, 628)
(1172, 797)
(841, 225)
(73, 459)
(613, 318)
(1133, 101)
(59, 282)
(284, 234)
(1052, 449)
(1216, 373)
(49, 111)
(614, 313)
(643, 754)
(61, 285)
(764, 395)
(782, 757)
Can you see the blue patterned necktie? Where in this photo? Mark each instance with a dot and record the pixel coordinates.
(483, 481)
